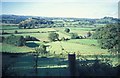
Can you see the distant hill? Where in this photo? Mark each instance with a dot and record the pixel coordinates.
(37, 21)
(12, 19)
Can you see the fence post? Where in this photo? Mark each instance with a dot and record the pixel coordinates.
(72, 64)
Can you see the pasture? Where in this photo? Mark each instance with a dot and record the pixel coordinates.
(83, 48)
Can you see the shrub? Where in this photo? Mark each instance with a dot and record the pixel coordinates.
(74, 36)
(53, 36)
(16, 32)
(28, 38)
(63, 39)
(67, 30)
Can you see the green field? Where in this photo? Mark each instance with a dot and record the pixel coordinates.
(15, 49)
(56, 63)
(8, 27)
(83, 47)
(76, 47)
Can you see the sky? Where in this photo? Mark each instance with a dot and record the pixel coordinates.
(62, 8)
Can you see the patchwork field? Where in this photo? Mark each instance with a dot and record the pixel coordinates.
(86, 49)
(84, 46)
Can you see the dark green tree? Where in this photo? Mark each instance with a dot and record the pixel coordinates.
(15, 40)
(74, 36)
(16, 32)
(89, 34)
(41, 50)
(27, 38)
(67, 30)
(63, 39)
(109, 37)
(21, 41)
(53, 36)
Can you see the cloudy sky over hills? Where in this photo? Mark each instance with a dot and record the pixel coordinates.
(62, 8)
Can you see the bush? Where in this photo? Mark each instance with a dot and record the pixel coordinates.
(16, 32)
(28, 38)
(80, 37)
(53, 36)
(2, 38)
(89, 34)
(67, 30)
(98, 68)
(74, 36)
(63, 39)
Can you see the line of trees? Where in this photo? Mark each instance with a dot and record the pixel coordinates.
(55, 36)
(14, 40)
(17, 40)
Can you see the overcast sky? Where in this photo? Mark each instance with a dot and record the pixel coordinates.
(62, 8)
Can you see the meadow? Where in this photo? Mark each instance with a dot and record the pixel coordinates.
(84, 48)
(74, 45)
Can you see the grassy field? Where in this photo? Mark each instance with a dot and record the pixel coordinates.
(15, 49)
(8, 27)
(29, 30)
(84, 46)
(78, 46)
(90, 42)
(56, 63)
(78, 30)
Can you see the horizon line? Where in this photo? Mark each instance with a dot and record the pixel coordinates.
(60, 16)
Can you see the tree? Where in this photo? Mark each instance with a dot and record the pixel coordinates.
(74, 36)
(16, 32)
(21, 41)
(15, 40)
(28, 38)
(63, 39)
(89, 34)
(109, 37)
(67, 30)
(42, 49)
(39, 50)
(53, 36)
